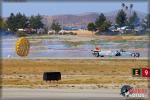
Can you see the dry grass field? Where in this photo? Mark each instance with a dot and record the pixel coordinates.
(103, 73)
(83, 32)
(85, 35)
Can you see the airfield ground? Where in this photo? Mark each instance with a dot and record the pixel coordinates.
(76, 73)
(84, 35)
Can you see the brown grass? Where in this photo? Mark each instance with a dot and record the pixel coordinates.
(113, 38)
(83, 32)
(29, 72)
(120, 38)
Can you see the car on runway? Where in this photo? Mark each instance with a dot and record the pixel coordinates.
(112, 53)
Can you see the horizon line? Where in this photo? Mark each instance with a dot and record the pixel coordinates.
(76, 14)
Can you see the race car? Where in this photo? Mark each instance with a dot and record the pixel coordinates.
(111, 53)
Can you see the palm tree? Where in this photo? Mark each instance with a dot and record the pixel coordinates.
(131, 6)
(126, 7)
(123, 5)
(126, 10)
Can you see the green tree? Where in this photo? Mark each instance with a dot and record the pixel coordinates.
(3, 24)
(1, 20)
(121, 18)
(100, 20)
(36, 22)
(14, 22)
(133, 19)
(21, 21)
(148, 20)
(11, 23)
(55, 26)
(106, 25)
(101, 23)
(91, 27)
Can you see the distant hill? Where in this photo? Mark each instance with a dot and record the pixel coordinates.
(84, 18)
(74, 20)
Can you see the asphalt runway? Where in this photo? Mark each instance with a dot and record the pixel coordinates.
(61, 94)
(101, 58)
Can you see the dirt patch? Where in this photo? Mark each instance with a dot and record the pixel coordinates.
(74, 71)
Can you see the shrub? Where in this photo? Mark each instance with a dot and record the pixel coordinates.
(69, 33)
(20, 33)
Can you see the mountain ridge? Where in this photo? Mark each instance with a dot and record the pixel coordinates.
(83, 19)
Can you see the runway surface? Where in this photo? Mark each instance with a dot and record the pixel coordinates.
(61, 94)
(101, 58)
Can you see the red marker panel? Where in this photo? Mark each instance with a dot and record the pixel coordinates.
(145, 72)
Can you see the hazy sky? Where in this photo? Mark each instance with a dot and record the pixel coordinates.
(56, 8)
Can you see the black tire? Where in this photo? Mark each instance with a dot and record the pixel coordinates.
(133, 55)
(137, 54)
(96, 54)
(102, 56)
(118, 54)
(93, 53)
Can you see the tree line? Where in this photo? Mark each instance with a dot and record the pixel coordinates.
(21, 21)
(102, 24)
